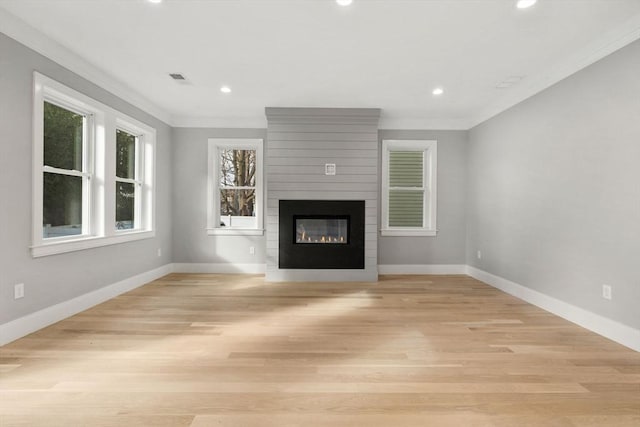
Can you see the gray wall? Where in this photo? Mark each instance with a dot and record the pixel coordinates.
(448, 247)
(54, 279)
(549, 191)
(301, 142)
(554, 189)
(191, 244)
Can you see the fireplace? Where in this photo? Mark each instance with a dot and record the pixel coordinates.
(321, 234)
(321, 229)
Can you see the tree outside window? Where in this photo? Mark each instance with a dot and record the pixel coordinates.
(235, 187)
(64, 175)
(128, 182)
(237, 183)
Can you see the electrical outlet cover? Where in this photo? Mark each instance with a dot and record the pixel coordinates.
(18, 291)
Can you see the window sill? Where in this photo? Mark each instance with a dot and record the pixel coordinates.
(60, 247)
(235, 232)
(408, 233)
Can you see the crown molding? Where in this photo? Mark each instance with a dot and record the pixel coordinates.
(244, 122)
(604, 46)
(279, 113)
(34, 39)
(428, 123)
(260, 122)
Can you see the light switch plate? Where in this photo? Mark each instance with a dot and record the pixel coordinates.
(330, 169)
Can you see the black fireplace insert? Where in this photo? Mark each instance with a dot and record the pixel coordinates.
(321, 234)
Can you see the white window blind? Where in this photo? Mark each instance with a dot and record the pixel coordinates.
(406, 189)
(409, 188)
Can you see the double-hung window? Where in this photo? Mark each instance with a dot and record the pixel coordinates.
(93, 172)
(128, 180)
(409, 173)
(67, 169)
(235, 203)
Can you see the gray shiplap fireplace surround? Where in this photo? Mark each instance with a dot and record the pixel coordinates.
(300, 142)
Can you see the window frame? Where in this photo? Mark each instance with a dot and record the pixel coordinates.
(99, 196)
(429, 148)
(138, 179)
(87, 172)
(213, 187)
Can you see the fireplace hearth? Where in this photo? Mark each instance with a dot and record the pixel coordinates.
(321, 234)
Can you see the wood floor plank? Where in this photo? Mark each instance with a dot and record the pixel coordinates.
(232, 350)
(347, 420)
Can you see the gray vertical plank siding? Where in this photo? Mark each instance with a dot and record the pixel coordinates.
(300, 141)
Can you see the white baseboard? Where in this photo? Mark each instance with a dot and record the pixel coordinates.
(226, 268)
(30, 323)
(608, 328)
(229, 268)
(422, 269)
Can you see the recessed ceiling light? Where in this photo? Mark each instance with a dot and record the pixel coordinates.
(523, 4)
(438, 91)
(344, 2)
(225, 89)
(154, 1)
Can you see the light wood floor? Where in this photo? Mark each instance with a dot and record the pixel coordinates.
(223, 350)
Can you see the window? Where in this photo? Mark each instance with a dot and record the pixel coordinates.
(84, 196)
(66, 169)
(128, 181)
(134, 148)
(409, 188)
(235, 186)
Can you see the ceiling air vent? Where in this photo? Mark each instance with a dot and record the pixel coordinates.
(509, 81)
(179, 78)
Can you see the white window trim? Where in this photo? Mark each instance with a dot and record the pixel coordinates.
(144, 216)
(137, 182)
(100, 224)
(213, 193)
(429, 148)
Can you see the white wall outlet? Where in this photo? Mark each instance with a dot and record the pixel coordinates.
(330, 169)
(606, 292)
(159, 252)
(18, 291)
(479, 254)
(252, 250)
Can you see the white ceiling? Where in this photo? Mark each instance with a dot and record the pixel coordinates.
(386, 54)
